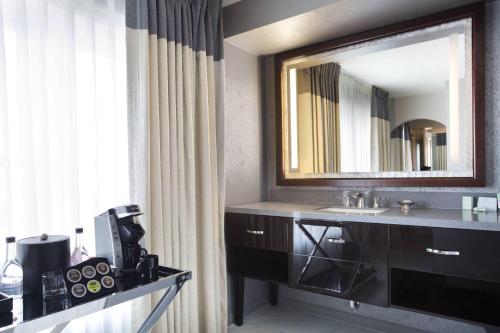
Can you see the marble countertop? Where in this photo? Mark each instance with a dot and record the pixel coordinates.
(443, 218)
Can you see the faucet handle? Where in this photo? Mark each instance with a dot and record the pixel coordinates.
(347, 201)
(361, 202)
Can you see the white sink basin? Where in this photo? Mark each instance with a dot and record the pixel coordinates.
(353, 210)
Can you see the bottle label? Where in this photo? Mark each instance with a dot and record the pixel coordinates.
(14, 287)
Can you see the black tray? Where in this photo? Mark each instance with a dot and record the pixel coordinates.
(5, 304)
(167, 271)
(6, 319)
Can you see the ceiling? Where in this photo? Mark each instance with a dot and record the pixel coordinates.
(409, 70)
(331, 19)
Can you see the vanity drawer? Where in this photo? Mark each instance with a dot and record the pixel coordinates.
(351, 241)
(360, 282)
(258, 231)
(463, 253)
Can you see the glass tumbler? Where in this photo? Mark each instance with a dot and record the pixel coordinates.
(53, 286)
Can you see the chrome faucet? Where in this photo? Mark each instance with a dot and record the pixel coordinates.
(361, 199)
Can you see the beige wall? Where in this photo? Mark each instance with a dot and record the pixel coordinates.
(426, 106)
(244, 160)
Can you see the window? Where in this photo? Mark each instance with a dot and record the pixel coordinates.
(63, 137)
(63, 118)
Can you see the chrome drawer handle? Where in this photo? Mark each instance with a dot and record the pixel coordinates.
(443, 252)
(255, 232)
(336, 240)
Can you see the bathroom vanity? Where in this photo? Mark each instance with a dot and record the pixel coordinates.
(442, 262)
(350, 113)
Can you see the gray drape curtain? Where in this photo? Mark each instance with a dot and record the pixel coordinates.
(401, 152)
(439, 151)
(175, 75)
(380, 131)
(318, 118)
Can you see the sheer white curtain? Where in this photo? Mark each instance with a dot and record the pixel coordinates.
(63, 121)
(355, 104)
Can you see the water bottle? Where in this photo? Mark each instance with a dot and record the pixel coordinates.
(79, 253)
(11, 274)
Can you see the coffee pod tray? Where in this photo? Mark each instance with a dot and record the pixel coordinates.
(89, 280)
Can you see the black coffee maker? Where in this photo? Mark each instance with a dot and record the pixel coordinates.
(117, 235)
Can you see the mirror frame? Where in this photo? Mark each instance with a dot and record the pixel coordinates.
(476, 13)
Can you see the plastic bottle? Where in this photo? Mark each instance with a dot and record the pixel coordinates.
(79, 253)
(11, 274)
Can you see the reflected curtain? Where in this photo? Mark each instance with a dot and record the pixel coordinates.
(176, 131)
(354, 104)
(318, 118)
(401, 154)
(439, 151)
(380, 130)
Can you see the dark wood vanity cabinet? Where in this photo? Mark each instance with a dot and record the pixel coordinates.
(258, 231)
(355, 281)
(342, 259)
(257, 246)
(450, 272)
(349, 241)
(463, 253)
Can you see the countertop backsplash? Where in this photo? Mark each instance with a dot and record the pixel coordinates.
(439, 200)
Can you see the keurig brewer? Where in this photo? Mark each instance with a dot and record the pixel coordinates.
(117, 235)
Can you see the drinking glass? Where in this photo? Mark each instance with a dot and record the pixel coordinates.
(53, 286)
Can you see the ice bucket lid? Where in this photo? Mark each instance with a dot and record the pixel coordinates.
(39, 240)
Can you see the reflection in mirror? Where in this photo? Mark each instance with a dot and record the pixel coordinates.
(419, 145)
(400, 104)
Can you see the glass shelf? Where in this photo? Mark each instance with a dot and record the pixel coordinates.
(32, 313)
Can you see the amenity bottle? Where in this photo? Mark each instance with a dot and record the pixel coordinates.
(11, 275)
(79, 253)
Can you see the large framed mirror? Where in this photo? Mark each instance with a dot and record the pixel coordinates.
(397, 106)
